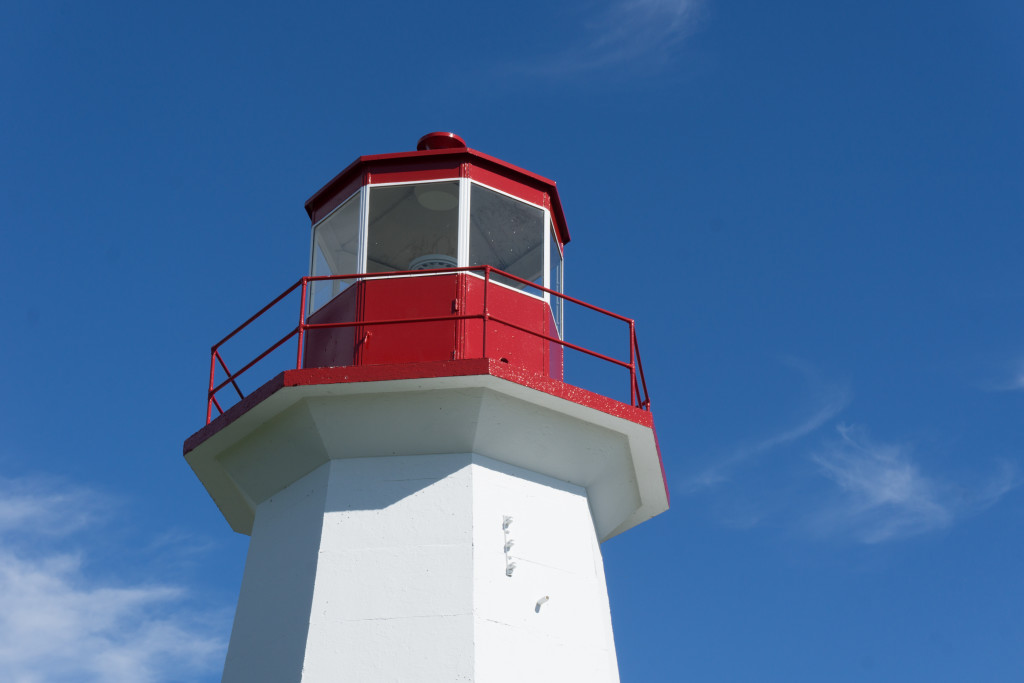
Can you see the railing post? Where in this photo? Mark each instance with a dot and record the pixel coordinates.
(302, 324)
(487, 286)
(209, 391)
(634, 398)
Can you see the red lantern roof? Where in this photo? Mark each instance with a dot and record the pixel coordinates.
(440, 156)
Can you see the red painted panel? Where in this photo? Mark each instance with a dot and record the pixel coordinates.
(434, 296)
(556, 352)
(505, 343)
(333, 346)
(334, 200)
(528, 192)
(411, 175)
(404, 298)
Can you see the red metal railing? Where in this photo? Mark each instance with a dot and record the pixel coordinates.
(637, 382)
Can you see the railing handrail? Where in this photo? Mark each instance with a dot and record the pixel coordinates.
(638, 383)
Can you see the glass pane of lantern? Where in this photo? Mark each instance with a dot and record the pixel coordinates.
(556, 280)
(413, 227)
(335, 251)
(507, 234)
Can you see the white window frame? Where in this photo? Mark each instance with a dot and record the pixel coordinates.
(547, 228)
(312, 232)
(465, 192)
(553, 237)
(360, 267)
(364, 221)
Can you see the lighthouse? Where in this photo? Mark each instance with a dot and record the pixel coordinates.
(425, 482)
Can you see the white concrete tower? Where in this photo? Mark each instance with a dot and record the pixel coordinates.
(425, 492)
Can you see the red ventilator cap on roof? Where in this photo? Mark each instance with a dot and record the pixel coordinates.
(440, 140)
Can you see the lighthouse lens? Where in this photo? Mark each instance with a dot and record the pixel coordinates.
(408, 222)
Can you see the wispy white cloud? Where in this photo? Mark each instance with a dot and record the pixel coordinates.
(829, 401)
(879, 491)
(33, 506)
(720, 471)
(884, 494)
(58, 622)
(1015, 382)
(1010, 377)
(627, 32)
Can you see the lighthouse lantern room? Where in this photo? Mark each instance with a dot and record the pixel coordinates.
(425, 492)
(443, 207)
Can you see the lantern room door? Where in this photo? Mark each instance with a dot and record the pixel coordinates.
(416, 299)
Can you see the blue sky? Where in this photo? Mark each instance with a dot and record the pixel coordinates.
(813, 210)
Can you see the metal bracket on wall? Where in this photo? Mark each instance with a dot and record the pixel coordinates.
(510, 566)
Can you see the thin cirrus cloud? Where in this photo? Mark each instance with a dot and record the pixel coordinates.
(829, 400)
(856, 488)
(1016, 381)
(59, 622)
(627, 33)
(720, 471)
(884, 495)
(1011, 379)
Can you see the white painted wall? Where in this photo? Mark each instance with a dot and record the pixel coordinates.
(556, 553)
(394, 569)
(268, 639)
(393, 598)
